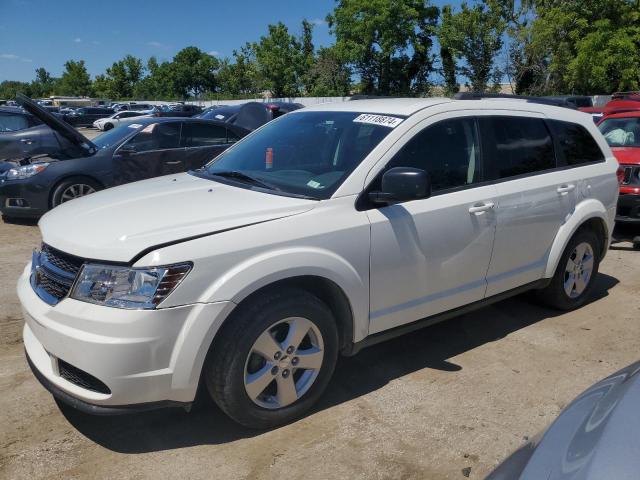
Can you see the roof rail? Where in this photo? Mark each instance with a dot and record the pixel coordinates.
(545, 101)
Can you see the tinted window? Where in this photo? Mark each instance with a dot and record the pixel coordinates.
(10, 122)
(514, 146)
(232, 137)
(202, 134)
(129, 114)
(447, 150)
(575, 144)
(156, 136)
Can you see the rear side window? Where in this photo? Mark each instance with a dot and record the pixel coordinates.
(514, 146)
(156, 136)
(202, 134)
(575, 144)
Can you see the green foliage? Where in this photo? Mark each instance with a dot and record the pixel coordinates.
(278, 60)
(75, 80)
(387, 42)
(240, 77)
(193, 72)
(328, 76)
(582, 47)
(473, 37)
(9, 89)
(120, 80)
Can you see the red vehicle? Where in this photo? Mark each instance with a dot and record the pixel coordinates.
(620, 102)
(622, 132)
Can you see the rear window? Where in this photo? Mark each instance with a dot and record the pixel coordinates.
(203, 134)
(156, 136)
(575, 144)
(514, 146)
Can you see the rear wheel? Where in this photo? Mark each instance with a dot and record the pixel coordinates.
(73, 188)
(274, 360)
(573, 281)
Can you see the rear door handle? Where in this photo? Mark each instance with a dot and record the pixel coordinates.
(480, 208)
(173, 163)
(28, 141)
(565, 189)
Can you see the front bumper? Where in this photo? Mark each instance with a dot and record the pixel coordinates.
(33, 195)
(628, 208)
(143, 356)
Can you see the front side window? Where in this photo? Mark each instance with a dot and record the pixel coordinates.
(203, 134)
(10, 122)
(513, 146)
(447, 151)
(156, 136)
(576, 146)
(621, 132)
(307, 154)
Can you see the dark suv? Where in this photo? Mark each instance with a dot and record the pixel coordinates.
(85, 116)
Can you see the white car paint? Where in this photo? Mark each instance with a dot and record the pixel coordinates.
(394, 265)
(118, 118)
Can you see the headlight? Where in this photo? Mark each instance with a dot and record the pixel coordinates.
(125, 287)
(26, 171)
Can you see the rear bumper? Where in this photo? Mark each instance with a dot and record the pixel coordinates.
(628, 208)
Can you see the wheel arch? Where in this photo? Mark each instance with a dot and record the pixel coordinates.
(64, 178)
(588, 215)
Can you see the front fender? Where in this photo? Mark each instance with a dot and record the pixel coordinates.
(267, 268)
(584, 211)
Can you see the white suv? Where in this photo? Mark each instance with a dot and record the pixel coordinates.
(325, 231)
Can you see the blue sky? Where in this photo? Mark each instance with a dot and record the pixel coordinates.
(46, 33)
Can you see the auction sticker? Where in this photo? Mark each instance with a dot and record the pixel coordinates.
(135, 125)
(383, 120)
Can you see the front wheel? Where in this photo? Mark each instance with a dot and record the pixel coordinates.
(107, 126)
(73, 188)
(573, 281)
(274, 360)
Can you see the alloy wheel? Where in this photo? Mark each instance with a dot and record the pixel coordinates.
(578, 270)
(283, 363)
(76, 190)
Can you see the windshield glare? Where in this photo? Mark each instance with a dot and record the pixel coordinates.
(113, 136)
(621, 132)
(307, 153)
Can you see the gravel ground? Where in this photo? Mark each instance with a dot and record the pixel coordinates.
(448, 402)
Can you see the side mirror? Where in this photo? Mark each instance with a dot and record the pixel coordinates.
(402, 184)
(127, 150)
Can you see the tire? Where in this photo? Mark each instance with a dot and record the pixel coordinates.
(107, 126)
(71, 188)
(233, 359)
(556, 294)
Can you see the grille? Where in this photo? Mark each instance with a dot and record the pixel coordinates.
(63, 261)
(54, 273)
(81, 378)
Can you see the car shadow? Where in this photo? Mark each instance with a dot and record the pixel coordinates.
(370, 370)
(20, 221)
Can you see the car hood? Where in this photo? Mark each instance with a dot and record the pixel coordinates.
(57, 125)
(595, 437)
(627, 155)
(119, 223)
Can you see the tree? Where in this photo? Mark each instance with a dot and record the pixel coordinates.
(193, 72)
(75, 80)
(278, 57)
(43, 85)
(121, 79)
(240, 76)
(9, 89)
(473, 36)
(387, 42)
(578, 46)
(329, 76)
(158, 84)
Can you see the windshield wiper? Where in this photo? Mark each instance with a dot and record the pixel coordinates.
(236, 175)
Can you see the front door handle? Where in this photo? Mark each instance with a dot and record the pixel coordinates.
(27, 141)
(173, 163)
(480, 208)
(565, 189)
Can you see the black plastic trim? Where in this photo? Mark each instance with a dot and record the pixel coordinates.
(92, 409)
(440, 317)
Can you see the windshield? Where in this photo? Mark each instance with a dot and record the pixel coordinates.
(308, 154)
(621, 132)
(115, 135)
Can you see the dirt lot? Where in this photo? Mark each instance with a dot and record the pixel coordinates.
(461, 395)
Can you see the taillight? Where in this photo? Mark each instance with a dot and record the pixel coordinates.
(620, 174)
